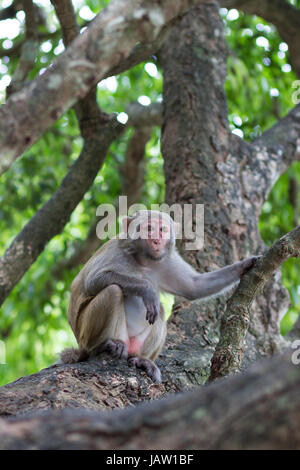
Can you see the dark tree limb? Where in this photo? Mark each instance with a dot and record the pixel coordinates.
(229, 353)
(257, 410)
(281, 14)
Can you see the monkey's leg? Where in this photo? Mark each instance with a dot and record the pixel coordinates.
(102, 324)
(155, 340)
(151, 345)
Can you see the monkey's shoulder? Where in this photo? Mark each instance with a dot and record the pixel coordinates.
(110, 256)
(108, 246)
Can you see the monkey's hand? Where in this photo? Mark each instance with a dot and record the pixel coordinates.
(247, 264)
(152, 304)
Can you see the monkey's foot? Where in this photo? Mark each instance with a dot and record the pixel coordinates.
(115, 347)
(147, 365)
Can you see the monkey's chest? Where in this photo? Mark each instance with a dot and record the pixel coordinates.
(135, 316)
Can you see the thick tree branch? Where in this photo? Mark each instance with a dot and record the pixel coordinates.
(281, 14)
(109, 39)
(229, 414)
(229, 352)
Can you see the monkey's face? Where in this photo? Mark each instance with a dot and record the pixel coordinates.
(152, 237)
(156, 234)
(151, 234)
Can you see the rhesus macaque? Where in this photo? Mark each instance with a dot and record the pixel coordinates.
(115, 298)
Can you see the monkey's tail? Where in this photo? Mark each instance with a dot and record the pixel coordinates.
(72, 355)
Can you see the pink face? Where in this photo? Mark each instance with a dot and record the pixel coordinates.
(156, 232)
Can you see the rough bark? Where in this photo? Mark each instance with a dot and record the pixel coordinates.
(101, 384)
(257, 410)
(109, 39)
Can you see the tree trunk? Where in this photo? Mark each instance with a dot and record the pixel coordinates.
(205, 163)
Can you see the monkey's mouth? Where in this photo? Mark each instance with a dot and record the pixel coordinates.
(156, 255)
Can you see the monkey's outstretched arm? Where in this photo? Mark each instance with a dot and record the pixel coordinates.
(179, 278)
(130, 285)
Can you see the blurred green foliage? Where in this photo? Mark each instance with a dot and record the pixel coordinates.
(33, 320)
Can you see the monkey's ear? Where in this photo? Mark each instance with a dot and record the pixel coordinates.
(125, 223)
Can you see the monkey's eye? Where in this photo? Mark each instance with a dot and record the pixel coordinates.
(164, 229)
(150, 228)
